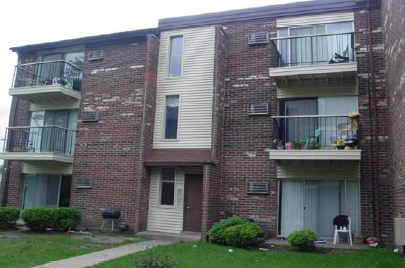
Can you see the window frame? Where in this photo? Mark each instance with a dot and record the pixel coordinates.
(164, 118)
(161, 181)
(169, 58)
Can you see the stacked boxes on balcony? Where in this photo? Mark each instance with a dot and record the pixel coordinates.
(175, 125)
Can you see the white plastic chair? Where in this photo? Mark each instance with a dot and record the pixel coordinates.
(343, 229)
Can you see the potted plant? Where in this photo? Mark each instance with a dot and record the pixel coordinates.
(313, 145)
(278, 144)
(297, 144)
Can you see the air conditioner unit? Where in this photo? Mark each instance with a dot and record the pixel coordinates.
(257, 187)
(257, 109)
(95, 55)
(90, 116)
(83, 183)
(258, 38)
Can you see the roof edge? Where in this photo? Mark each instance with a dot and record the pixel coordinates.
(273, 11)
(86, 40)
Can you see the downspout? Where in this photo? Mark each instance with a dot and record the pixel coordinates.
(372, 95)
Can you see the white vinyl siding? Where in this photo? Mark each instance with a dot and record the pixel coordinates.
(168, 218)
(326, 91)
(163, 218)
(54, 106)
(47, 167)
(318, 170)
(195, 86)
(315, 19)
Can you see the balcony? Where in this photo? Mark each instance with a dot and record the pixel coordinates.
(51, 81)
(314, 61)
(316, 137)
(47, 143)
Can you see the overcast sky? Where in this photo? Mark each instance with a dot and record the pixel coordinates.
(24, 22)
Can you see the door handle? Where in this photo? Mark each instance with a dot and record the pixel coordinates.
(187, 207)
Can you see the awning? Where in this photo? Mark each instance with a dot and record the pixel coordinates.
(178, 157)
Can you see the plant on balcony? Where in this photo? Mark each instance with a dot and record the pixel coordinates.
(297, 144)
(313, 145)
(278, 144)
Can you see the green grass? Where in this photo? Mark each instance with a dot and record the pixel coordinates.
(210, 255)
(26, 249)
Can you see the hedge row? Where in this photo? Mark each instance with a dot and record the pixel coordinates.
(39, 219)
(8, 217)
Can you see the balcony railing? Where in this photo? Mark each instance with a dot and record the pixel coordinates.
(48, 73)
(314, 49)
(46, 139)
(325, 132)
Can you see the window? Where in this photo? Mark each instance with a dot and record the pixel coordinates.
(167, 186)
(175, 56)
(315, 44)
(314, 203)
(171, 116)
(45, 191)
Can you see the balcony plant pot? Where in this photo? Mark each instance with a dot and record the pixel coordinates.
(280, 147)
(297, 144)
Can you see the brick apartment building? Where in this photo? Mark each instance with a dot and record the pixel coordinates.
(174, 126)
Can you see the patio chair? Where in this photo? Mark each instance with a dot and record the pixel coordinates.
(312, 139)
(342, 225)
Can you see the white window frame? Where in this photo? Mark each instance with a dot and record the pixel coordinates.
(164, 118)
(169, 51)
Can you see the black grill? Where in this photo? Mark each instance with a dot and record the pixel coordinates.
(111, 214)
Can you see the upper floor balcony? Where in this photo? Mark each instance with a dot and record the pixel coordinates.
(315, 137)
(314, 60)
(46, 143)
(55, 81)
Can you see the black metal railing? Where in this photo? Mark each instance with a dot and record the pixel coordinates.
(48, 73)
(40, 139)
(326, 132)
(314, 49)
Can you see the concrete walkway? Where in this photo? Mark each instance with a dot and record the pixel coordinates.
(104, 255)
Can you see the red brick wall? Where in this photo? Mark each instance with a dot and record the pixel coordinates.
(212, 172)
(394, 40)
(18, 117)
(110, 152)
(375, 181)
(246, 137)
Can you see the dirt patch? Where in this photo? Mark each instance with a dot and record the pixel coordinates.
(107, 239)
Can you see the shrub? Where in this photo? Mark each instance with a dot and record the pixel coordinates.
(8, 216)
(39, 219)
(154, 260)
(241, 235)
(234, 231)
(67, 217)
(303, 240)
(217, 232)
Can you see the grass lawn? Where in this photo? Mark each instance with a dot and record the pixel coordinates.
(210, 255)
(27, 249)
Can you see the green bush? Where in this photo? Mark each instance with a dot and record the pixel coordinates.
(67, 217)
(241, 235)
(154, 260)
(235, 232)
(303, 240)
(39, 219)
(8, 216)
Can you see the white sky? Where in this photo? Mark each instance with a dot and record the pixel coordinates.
(24, 22)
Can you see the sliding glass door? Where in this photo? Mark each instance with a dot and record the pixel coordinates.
(314, 203)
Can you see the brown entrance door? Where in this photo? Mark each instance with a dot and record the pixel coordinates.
(193, 202)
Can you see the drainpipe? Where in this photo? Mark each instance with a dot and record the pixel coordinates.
(372, 95)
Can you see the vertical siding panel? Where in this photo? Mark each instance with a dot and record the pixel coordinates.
(195, 88)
